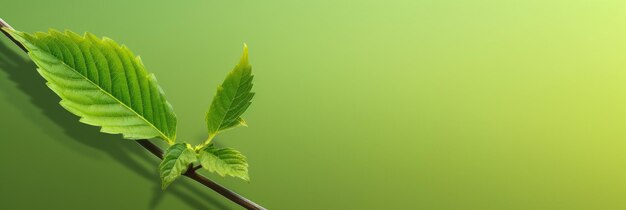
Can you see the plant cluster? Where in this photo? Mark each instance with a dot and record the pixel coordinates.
(106, 85)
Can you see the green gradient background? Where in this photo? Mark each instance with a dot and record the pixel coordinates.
(401, 104)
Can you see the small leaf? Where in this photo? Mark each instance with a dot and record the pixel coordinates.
(175, 162)
(103, 83)
(232, 98)
(224, 161)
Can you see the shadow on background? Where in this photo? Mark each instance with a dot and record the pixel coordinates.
(23, 72)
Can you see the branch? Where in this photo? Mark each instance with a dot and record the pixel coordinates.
(196, 168)
(191, 173)
(156, 151)
(6, 25)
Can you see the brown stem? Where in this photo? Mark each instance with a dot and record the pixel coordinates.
(155, 150)
(191, 173)
(4, 24)
(195, 168)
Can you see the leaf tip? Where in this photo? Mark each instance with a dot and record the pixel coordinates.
(243, 122)
(244, 56)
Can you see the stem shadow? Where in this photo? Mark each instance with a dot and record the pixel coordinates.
(22, 71)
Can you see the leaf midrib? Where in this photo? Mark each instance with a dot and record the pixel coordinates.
(230, 105)
(165, 137)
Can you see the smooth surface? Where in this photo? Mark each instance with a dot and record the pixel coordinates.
(360, 105)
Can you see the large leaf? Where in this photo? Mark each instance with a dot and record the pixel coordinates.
(224, 161)
(232, 98)
(175, 162)
(103, 83)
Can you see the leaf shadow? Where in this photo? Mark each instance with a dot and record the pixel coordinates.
(76, 135)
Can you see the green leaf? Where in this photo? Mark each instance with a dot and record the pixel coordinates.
(224, 161)
(232, 98)
(175, 162)
(103, 83)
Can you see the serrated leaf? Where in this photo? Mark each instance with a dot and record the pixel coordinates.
(224, 161)
(175, 162)
(103, 83)
(232, 98)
